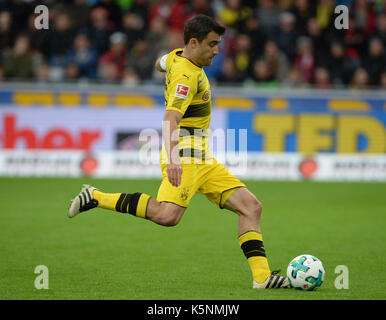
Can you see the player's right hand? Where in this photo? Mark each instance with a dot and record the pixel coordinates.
(174, 172)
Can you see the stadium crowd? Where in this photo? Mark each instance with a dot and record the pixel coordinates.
(268, 43)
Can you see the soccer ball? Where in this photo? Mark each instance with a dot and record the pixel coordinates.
(305, 272)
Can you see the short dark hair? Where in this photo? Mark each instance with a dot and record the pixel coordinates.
(199, 26)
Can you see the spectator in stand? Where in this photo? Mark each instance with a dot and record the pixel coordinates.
(20, 11)
(54, 43)
(257, 36)
(324, 13)
(174, 13)
(114, 14)
(108, 73)
(82, 57)
(43, 72)
(375, 62)
(364, 15)
(141, 8)
(200, 7)
(354, 41)
(284, 5)
(314, 32)
(276, 60)
(242, 55)
(322, 78)
(1, 68)
(286, 37)
(131, 78)
(79, 11)
(133, 27)
(174, 40)
(380, 31)
(360, 80)
(303, 11)
(99, 32)
(178, 15)
(72, 72)
(293, 79)
(56, 40)
(141, 59)
(234, 15)
(6, 31)
(19, 63)
(268, 14)
(111, 65)
(157, 36)
(33, 34)
(383, 80)
(161, 8)
(262, 75)
(305, 61)
(229, 73)
(341, 68)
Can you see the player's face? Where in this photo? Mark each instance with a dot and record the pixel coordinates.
(207, 49)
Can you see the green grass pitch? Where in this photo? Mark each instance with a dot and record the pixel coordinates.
(108, 255)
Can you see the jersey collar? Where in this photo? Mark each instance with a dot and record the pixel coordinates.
(178, 54)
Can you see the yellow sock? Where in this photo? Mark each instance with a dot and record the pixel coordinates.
(106, 200)
(133, 203)
(251, 243)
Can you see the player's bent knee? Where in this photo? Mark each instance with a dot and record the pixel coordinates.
(258, 207)
(169, 215)
(172, 221)
(254, 208)
(169, 220)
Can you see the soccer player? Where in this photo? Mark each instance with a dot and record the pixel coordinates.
(186, 162)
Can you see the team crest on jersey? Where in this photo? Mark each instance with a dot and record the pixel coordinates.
(182, 91)
(206, 95)
(184, 194)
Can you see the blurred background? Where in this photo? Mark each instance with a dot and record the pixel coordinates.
(303, 89)
(269, 43)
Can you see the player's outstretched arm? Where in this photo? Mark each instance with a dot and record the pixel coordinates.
(160, 64)
(170, 138)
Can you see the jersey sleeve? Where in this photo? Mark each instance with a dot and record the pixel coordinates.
(181, 91)
(163, 62)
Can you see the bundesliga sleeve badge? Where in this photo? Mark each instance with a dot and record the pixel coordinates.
(182, 91)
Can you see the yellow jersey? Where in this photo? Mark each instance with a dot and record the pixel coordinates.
(187, 91)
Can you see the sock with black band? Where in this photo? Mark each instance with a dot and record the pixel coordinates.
(132, 203)
(251, 243)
